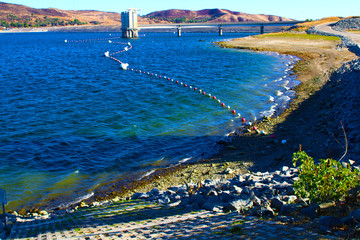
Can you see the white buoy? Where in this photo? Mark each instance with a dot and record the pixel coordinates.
(65, 40)
(109, 41)
(107, 54)
(126, 48)
(124, 66)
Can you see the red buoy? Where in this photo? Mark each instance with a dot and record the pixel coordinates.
(233, 112)
(169, 79)
(214, 97)
(185, 85)
(195, 89)
(203, 93)
(159, 76)
(255, 128)
(177, 81)
(223, 104)
(243, 120)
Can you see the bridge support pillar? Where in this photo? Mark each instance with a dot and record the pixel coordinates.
(220, 30)
(179, 31)
(262, 29)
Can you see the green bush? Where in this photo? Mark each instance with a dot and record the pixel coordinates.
(327, 180)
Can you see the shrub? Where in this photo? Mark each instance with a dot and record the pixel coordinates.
(327, 180)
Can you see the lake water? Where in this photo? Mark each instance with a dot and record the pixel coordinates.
(72, 119)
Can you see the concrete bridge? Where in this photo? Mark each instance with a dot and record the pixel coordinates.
(219, 25)
(130, 26)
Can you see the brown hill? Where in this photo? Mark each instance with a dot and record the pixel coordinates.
(14, 15)
(211, 15)
(23, 16)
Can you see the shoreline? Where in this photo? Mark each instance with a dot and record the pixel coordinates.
(232, 149)
(325, 97)
(231, 156)
(251, 151)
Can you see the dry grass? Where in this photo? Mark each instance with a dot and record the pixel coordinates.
(306, 25)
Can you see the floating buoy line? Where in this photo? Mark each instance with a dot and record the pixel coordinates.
(125, 66)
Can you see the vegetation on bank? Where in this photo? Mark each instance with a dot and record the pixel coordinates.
(13, 21)
(298, 36)
(327, 180)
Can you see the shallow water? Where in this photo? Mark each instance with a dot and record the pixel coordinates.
(71, 119)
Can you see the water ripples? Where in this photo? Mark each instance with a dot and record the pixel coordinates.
(73, 119)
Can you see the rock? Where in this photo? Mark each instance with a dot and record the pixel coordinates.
(174, 204)
(212, 203)
(290, 198)
(349, 221)
(228, 171)
(136, 195)
(43, 213)
(95, 204)
(355, 214)
(238, 205)
(290, 209)
(327, 207)
(83, 204)
(198, 200)
(236, 190)
(276, 204)
(212, 193)
(256, 201)
(170, 193)
(330, 221)
(285, 168)
(164, 200)
(267, 212)
(311, 211)
(154, 191)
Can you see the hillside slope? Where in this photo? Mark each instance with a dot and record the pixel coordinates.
(18, 16)
(211, 15)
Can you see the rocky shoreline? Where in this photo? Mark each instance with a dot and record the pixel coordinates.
(262, 194)
(267, 194)
(270, 194)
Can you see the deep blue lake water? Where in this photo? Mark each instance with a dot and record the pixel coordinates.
(72, 119)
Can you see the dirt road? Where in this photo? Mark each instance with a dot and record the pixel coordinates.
(326, 27)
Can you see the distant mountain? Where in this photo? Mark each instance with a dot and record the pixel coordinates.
(211, 15)
(14, 15)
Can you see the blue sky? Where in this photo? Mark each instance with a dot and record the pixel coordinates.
(299, 10)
